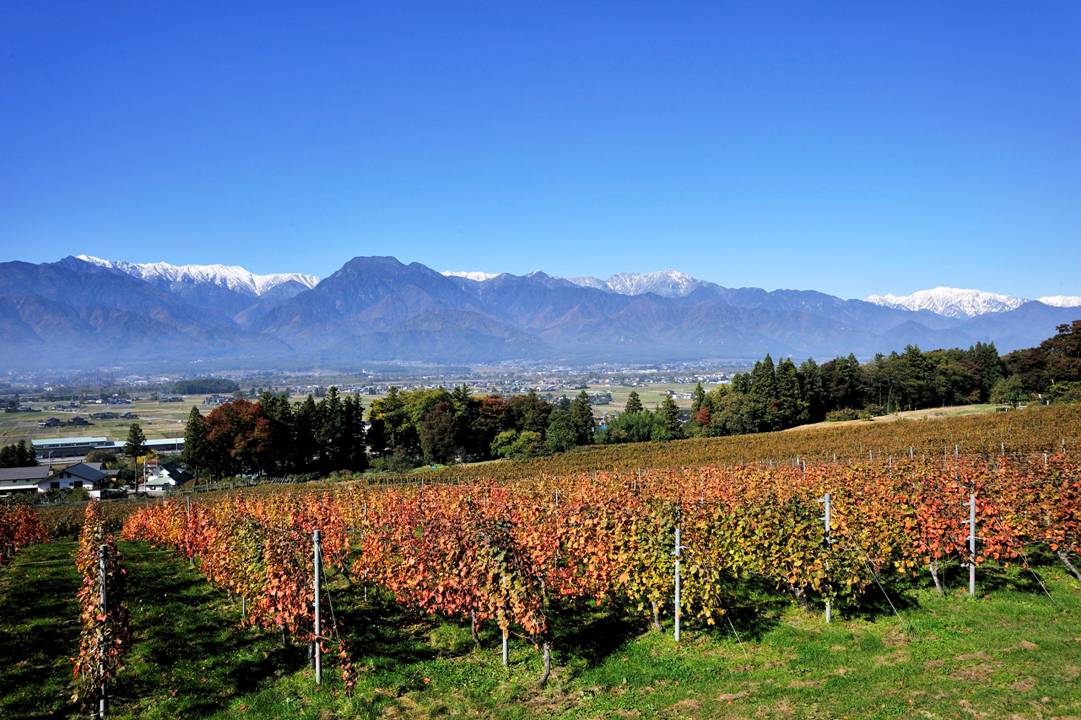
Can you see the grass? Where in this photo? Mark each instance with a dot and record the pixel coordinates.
(1011, 652)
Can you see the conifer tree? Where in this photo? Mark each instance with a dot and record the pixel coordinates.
(581, 415)
(195, 441)
(698, 398)
(634, 403)
(789, 405)
(671, 425)
(136, 444)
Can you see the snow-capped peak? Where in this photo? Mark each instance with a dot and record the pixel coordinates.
(476, 276)
(951, 302)
(667, 283)
(1062, 300)
(232, 277)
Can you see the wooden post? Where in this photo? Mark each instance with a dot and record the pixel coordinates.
(506, 647)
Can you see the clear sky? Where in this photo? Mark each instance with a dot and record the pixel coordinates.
(846, 147)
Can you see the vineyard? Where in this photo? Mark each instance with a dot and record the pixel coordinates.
(521, 573)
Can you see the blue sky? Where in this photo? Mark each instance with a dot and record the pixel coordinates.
(864, 147)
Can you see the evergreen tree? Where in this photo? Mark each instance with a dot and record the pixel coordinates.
(331, 430)
(812, 391)
(25, 454)
(763, 394)
(561, 433)
(136, 444)
(8, 456)
(634, 403)
(581, 415)
(466, 414)
(531, 412)
(195, 441)
(668, 417)
(436, 430)
(989, 366)
(279, 432)
(698, 399)
(305, 444)
(353, 451)
(789, 406)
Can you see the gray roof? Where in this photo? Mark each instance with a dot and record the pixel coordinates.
(84, 472)
(34, 473)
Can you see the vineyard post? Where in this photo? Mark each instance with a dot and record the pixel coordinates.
(104, 611)
(678, 554)
(971, 522)
(187, 521)
(825, 500)
(910, 455)
(506, 647)
(318, 567)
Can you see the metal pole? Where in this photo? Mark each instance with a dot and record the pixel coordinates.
(506, 648)
(678, 555)
(104, 611)
(318, 563)
(972, 545)
(826, 523)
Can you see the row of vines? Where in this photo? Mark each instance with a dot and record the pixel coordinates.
(106, 630)
(513, 553)
(258, 550)
(19, 526)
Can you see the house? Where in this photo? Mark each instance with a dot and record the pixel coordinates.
(88, 475)
(24, 479)
(164, 478)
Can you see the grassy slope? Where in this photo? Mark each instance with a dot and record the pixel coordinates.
(1009, 653)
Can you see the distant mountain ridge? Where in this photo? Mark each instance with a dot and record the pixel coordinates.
(229, 289)
(231, 277)
(81, 312)
(961, 302)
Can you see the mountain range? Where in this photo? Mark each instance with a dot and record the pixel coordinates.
(84, 311)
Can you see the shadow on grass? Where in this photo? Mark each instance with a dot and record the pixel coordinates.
(39, 633)
(190, 655)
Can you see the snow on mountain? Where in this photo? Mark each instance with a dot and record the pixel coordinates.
(950, 302)
(666, 283)
(1061, 300)
(590, 282)
(231, 277)
(469, 275)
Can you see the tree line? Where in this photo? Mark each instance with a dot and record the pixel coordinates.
(20, 454)
(782, 395)
(405, 429)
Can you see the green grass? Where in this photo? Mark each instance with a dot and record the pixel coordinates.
(1011, 652)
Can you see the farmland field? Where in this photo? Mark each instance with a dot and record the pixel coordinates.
(157, 419)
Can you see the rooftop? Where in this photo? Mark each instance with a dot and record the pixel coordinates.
(32, 473)
(65, 441)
